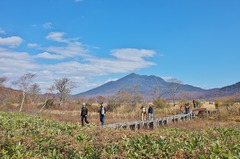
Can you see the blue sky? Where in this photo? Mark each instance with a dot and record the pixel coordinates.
(95, 41)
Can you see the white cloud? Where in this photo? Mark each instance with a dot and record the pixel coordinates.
(15, 62)
(111, 79)
(57, 36)
(167, 78)
(75, 61)
(15, 65)
(12, 41)
(32, 45)
(71, 68)
(126, 60)
(106, 66)
(94, 66)
(48, 25)
(5, 53)
(73, 48)
(46, 55)
(2, 31)
(131, 54)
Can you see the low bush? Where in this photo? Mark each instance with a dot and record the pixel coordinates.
(24, 136)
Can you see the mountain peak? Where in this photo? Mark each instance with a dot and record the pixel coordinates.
(132, 75)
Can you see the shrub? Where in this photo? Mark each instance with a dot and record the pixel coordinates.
(160, 103)
(50, 104)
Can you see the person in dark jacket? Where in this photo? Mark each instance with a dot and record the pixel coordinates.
(187, 108)
(194, 104)
(150, 112)
(84, 113)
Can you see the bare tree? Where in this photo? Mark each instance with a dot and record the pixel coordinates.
(48, 93)
(136, 95)
(24, 83)
(121, 98)
(64, 87)
(157, 93)
(34, 92)
(173, 86)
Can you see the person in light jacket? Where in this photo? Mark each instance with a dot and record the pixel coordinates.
(102, 112)
(143, 113)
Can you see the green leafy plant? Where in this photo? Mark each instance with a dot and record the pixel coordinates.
(24, 136)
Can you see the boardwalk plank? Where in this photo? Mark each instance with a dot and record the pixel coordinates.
(152, 124)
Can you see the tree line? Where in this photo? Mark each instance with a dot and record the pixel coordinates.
(60, 90)
(31, 91)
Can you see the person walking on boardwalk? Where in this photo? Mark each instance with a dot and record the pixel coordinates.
(84, 113)
(143, 113)
(150, 112)
(198, 104)
(187, 108)
(182, 109)
(102, 112)
(194, 103)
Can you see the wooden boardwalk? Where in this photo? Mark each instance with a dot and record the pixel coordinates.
(151, 124)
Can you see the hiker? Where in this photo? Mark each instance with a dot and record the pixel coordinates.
(84, 113)
(102, 112)
(150, 112)
(198, 104)
(194, 103)
(143, 112)
(187, 107)
(182, 109)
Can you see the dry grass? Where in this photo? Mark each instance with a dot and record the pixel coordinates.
(120, 115)
(208, 105)
(226, 116)
(228, 113)
(198, 124)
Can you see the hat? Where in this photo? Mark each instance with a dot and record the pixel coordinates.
(83, 104)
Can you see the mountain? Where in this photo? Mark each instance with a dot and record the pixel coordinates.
(142, 84)
(230, 90)
(126, 83)
(224, 91)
